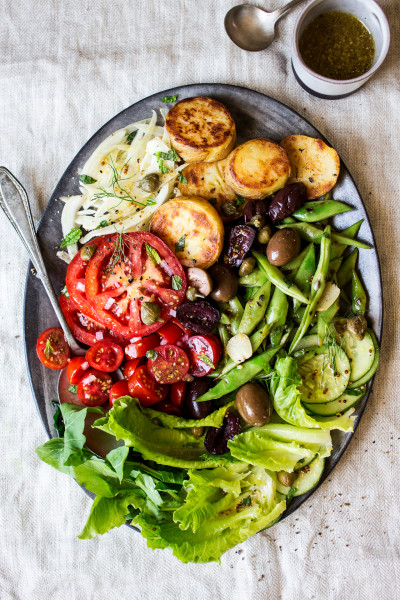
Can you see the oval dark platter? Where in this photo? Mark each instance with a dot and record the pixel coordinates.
(256, 115)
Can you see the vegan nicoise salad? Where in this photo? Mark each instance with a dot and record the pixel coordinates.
(210, 274)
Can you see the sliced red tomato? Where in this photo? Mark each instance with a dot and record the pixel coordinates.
(118, 390)
(130, 367)
(169, 365)
(204, 353)
(145, 389)
(127, 271)
(105, 356)
(94, 388)
(139, 347)
(177, 394)
(170, 333)
(76, 368)
(52, 348)
(168, 408)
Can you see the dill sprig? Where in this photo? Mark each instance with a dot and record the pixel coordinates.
(118, 191)
(119, 253)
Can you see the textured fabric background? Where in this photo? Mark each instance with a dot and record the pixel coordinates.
(67, 67)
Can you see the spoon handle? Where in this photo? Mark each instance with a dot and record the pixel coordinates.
(282, 11)
(15, 204)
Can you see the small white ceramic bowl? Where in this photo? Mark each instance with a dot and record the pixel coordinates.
(373, 17)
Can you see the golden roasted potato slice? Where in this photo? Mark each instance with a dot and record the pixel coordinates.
(192, 229)
(206, 180)
(201, 129)
(313, 162)
(257, 168)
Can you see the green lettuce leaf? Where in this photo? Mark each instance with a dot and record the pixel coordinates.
(316, 440)
(74, 439)
(214, 419)
(52, 453)
(117, 458)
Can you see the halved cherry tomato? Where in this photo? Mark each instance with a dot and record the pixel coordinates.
(118, 390)
(94, 388)
(168, 408)
(177, 394)
(145, 389)
(105, 356)
(169, 365)
(127, 271)
(185, 329)
(170, 333)
(204, 353)
(130, 367)
(52, 348)
(139, 348)
(76, 368)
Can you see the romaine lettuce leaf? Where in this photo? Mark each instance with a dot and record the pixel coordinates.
(214, 419)
(316, 440)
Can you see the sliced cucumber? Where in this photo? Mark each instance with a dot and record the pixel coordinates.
(329, 409)
(303, 463)
(309, 476)
(361, 354)
(373, 368)
(325, 374)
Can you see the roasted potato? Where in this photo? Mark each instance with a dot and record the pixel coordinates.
(192, 229)
(201, 129)
(206, 180)
(312, 162)
(257, 168)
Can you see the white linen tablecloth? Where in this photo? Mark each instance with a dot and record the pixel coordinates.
(67, 67)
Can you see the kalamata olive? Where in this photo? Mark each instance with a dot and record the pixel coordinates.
(255, 213)
(264, 235)
(198, 316)
(195, 389)
(283, 247)
(150, 183)
(216, 440)
(286, 201)
(149, 312)
(225, 283)
(287, 479)
(253, 404)
(247, 266)
(241, 239)
(357, 326)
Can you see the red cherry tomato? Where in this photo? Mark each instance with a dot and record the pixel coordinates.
(185, 330)
(130, 367)
(170, 333)
(139, 348)
(52, 348)
(168, 408)
(105, 356)
(177, 394)
(169, 365)
(118, 390)
(94, 388)
(145, 389)
(76, 368)
(204, 353)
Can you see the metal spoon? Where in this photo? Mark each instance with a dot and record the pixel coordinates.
(252, 28)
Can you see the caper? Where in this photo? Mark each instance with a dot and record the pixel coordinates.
(264, 235)
(287, 479)
(87, 252)
(341, 326)
(149, 312)
(191, 293)
(258, 221)
(197, 431)
(357, 326)
(230, 209)
(247, 266)
(150, 182)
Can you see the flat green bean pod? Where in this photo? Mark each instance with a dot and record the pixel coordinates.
(314, 234)
(319, 210)
(276, 277)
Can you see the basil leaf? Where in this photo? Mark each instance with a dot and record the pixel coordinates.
(204, 358)
(182, 179)
(176, 282)
(153, 255)
(64, 291)
(161, 166)
(180, 244)
(240, 200)
(170, 99)
(131, 137)
(72, 389)
(58, 419)
(87, 179)
(152, 354)
(102, 224)
(72, 237)
(170, 155)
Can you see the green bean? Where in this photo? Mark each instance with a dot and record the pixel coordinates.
(288, 220)
(320, 210)
(317, 287)
(231, 314)
(278, 278)
(276, 315)
(256, 278)
(314, 234)
(254, 310)
(290, 269)
(358, 295)
(224, 336)
(325, 317)
(344, 274)
(351, 232)
(249, 293)
(256, 340)
(240, 375)
(304, 273)
(334, 266)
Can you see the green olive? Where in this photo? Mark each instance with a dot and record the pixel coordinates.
(191, 293)
(264, 235)
(149, 312)
(253, 404)
(150, 183)
(87, 252)
(287, 479)
(283, 247)
(341, 326)
(247, 266)
(357, 326)
(197, 431)
(230, 209)
(258, 221)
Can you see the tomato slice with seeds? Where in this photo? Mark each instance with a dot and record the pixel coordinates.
(118, 390)
(169, 365)
(94, 388)
(139, 347)
(76, 368)
(105, 356)
(52, 348)
(128, 270)
(145, 389)
(204, 353)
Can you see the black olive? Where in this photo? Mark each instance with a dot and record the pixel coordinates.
(225, 283)
(198, 316)
(241, 239)
(193, 409)
(255, 213)
(287, 200)
(216, 440)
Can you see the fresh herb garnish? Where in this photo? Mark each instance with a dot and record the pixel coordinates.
(246, 501)
(151, 201)
(58, 419)
(170, 155)
(131, 137)
(161, 166)
(102, 224)
(291, 492)
(152, 354)
(72, 389)
(119, 253)
(240, 200)
(118, 192)
(170, 99)
(153, 255)
(72, 237)
(64, 291)
(204, 358)
(176, 282)
(49, 350)
(182, 179)
(180, 244)
(87, 179)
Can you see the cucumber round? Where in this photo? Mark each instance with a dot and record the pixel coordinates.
(330, 409)
(361, 354)
(303, 463)
(309, 476)
(325, 374)
(371, 372)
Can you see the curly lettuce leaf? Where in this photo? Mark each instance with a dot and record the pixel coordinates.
(214, 419)
(316, 440)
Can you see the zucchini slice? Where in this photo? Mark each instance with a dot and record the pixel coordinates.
(325, 374)
(330, 409)
(361, 354)
(371, 372)
(309, 476)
